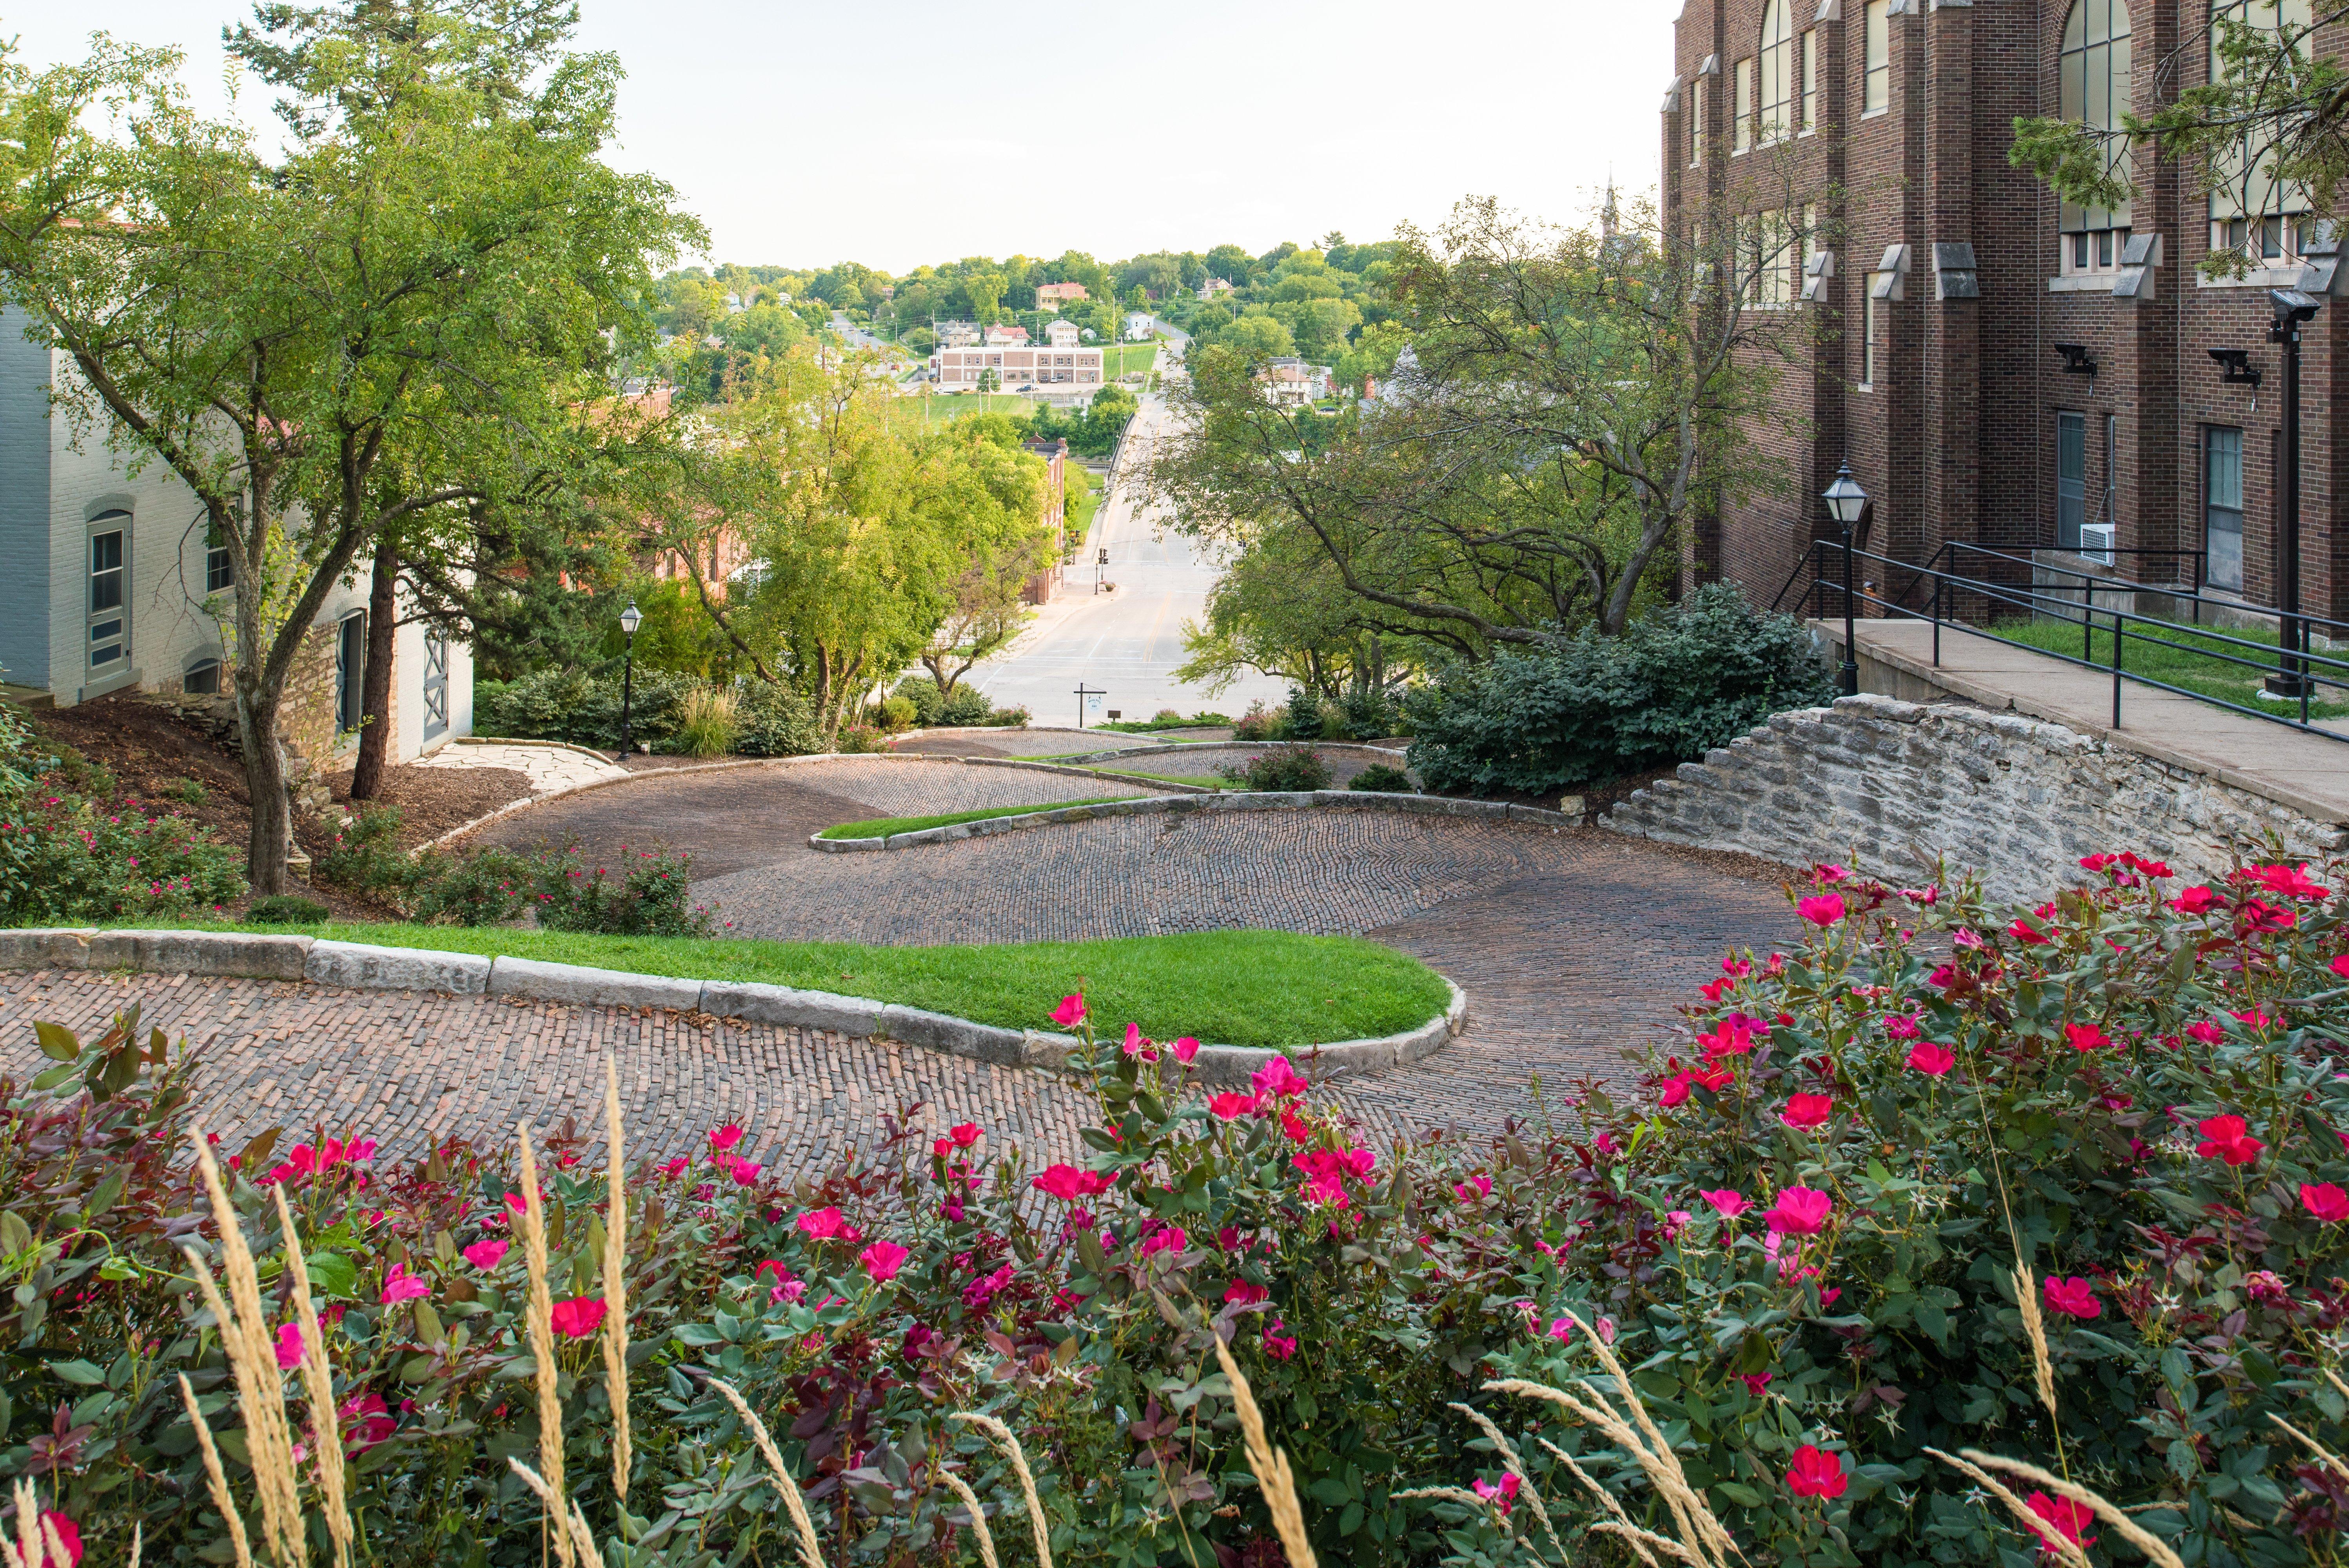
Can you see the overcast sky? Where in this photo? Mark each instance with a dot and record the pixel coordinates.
(925, 130)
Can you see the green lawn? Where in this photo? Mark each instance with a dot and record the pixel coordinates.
(1112, 770)
(1269, 988)
(1126, 359)
(1084, 500)
(881, 827)
(2175, 655)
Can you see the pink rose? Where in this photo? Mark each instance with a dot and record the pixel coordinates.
(1731, 1204)
(289, 1348)
(486, 1255)
(2075, 1297)
(1806, 1112)
(1071, 1012)
(399, 1285)
(1799, 1211)
(1821, 911)
(579, 1317)
(1932, 1059)
(882, 1260)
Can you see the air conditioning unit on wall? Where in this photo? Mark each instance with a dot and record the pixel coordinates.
(2096, 542)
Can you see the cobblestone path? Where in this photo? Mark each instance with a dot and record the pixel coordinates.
(1572, 945)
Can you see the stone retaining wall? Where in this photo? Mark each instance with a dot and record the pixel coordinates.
(1886, 786)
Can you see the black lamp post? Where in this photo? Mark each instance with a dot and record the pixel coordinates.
(1845, 499)
(2290, 679)
(630, 619)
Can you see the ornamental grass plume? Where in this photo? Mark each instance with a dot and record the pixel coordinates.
(1036, 1522)
(217, 1477)
(961, 1489)
(809, 1548)
(540, 1320)
(2156, 1550)
(1705, 1540)
(615, 1284)
(1269, 1465)
(571, 1536)
(2026, 1297)
(318, 1381)
(2054, 1542)
(253, 1358)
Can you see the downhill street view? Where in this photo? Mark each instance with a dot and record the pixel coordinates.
(1241, 788)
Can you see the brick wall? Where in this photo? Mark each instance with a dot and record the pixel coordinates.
(1955, 438)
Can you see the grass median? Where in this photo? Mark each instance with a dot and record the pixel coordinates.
(1270, 988)
(881, 827)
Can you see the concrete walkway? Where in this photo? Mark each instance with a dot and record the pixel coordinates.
(2309, 773)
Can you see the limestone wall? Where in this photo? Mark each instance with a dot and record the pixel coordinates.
(1884, 786)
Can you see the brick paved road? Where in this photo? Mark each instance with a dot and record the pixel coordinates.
(1571, 944)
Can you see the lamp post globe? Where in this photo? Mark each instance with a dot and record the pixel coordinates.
(1846, 501)
(630, 619)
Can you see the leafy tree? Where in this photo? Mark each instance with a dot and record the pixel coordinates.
(396, 318)
(764, 329)
(1257, 336)
(1574, 403)
(1282, 608)
(1230, 263)
(859, 529)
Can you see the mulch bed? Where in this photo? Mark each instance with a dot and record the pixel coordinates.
(436, 800)
(136, 756)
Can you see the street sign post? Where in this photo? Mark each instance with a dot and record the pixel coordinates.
(1084, 691)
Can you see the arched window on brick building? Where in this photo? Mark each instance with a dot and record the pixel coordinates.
(2252, 210)
(2095, 88)
(1777, 73)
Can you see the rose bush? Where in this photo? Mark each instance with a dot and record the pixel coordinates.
(1800, 1231)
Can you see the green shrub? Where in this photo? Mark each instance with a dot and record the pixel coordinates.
(649, 893)
(64, 858)
(706, 722)
(858, 738)
(284, 909)
(963, 706)
(1280, 770)
(1258, 724)
(1685, 679)
(774, 721)
(1370, 713)
(1381, 779)
(1303, 715)
(571, 704)
(1014, 718)
(366, 856)
(896, 715)
(488, 886)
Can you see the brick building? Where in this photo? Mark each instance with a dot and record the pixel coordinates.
(2000, 368)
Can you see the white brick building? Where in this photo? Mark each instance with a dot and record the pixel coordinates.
(105, 575)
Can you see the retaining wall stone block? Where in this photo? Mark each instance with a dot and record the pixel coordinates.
(258, 957)
(363, 967)
(45, 947)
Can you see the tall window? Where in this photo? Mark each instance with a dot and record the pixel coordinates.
(2095, 88)
(1877, 27)
(1696, 121)
(1777, 67)
(1870, 331)
(109, 621)
(2222, 506)
(2071, 479)
(1742, 134)
(350, 671)
(2251, 209)
(1768, 260)
(1811, 80)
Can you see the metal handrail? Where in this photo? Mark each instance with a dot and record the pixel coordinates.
(1948, 585)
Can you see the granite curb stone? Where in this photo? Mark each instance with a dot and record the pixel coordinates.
(1223, 801)
(47, 947)
(361, 966)
(258, 957)
(578, 983)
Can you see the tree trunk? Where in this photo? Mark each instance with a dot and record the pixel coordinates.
(374, 695)
(264, 788)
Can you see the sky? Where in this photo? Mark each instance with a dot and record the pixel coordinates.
(925, 131)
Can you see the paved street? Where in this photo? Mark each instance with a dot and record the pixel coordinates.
(1125, 644)
(1572, 945)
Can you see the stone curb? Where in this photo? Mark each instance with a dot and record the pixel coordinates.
(1379, 753)
(527, 802)
(576, 751)
(361, 967)
(1219, 800)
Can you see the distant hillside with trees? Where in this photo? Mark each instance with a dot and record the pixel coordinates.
(1326, 303)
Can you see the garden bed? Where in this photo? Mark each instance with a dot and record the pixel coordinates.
(881, 827)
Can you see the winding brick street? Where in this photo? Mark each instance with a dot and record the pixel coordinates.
(1572, 945)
